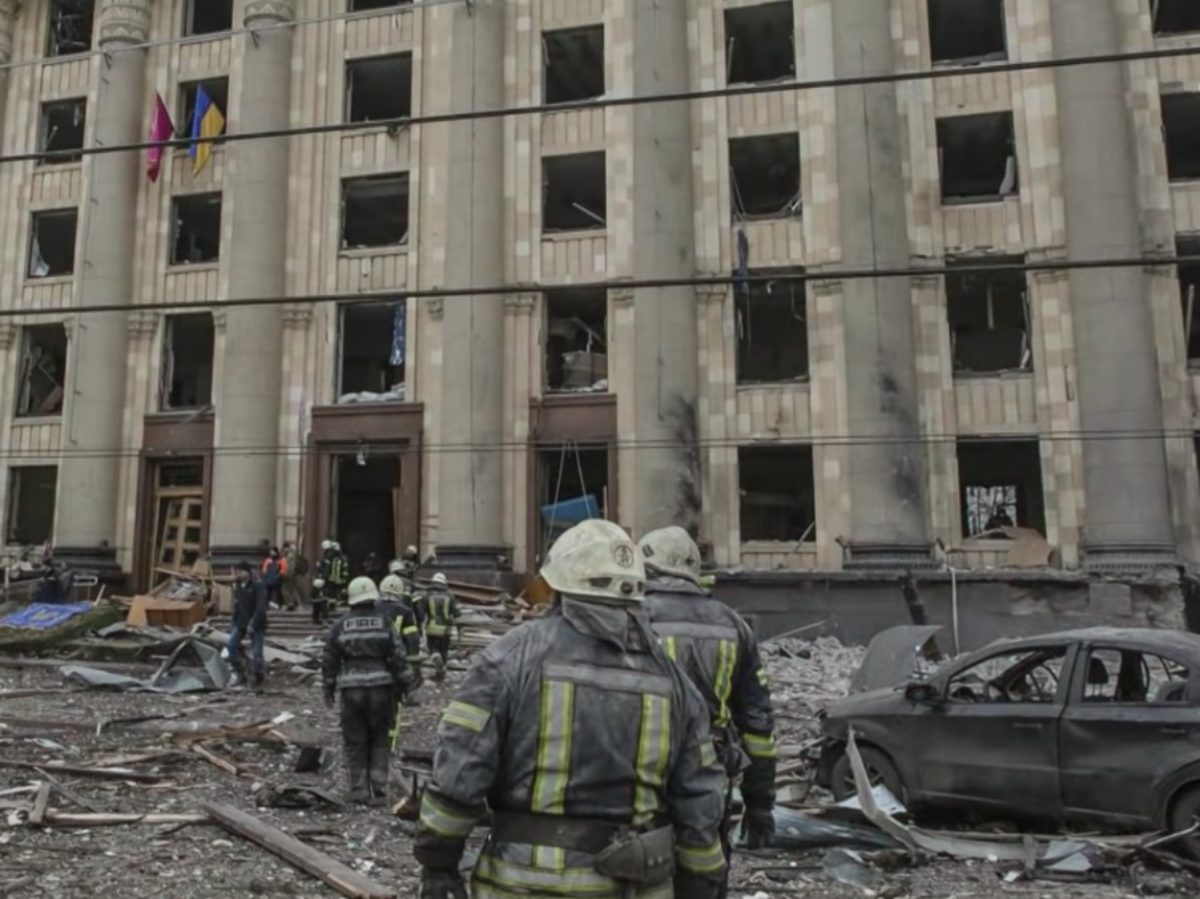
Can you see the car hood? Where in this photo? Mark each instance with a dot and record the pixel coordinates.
(884, 701)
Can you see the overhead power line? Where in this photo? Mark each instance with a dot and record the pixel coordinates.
(498, 290)
(616, 102)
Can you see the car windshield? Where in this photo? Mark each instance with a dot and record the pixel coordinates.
(1027, 675)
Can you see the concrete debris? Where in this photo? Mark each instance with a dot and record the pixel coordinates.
(193, 667)
(848, 867)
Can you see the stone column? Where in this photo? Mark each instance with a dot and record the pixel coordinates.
(1127, 520)
(462, 245)
(94, 409)
(256, 201)
(666, 465)
(7, 14)
(888, 478)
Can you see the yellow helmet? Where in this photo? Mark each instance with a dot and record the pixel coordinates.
(596, 559)
(673, 552)
(361, 589)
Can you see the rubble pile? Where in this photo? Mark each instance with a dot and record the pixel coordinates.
(805, 676)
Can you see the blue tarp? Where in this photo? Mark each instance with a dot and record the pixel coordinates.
(41, 616)
(571, 512)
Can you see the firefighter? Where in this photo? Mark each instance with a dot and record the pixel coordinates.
(395, 599)
(717, 650)
(442, 614)
(589, 747)
(330, 581)
(364, 662)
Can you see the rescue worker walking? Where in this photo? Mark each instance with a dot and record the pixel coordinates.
(394, 599)
(717, 649)
(590, 748)
(364, 662)
(249, 618)
(443, 613)
(330, 580)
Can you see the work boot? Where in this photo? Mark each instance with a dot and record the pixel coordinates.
(359, 791)
(237, 682)
(378, 795)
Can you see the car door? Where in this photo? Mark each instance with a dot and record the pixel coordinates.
(992, 740)
(1132, 719)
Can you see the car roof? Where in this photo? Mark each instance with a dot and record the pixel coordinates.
(1134, 637)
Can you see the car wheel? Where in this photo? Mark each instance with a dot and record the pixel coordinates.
(1185, 811)
(880, 770)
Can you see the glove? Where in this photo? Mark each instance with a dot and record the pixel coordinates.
(442, 885)
(758, 825)
(693, 886)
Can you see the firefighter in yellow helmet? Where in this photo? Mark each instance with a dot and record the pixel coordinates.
(589, 746)
(718, 651)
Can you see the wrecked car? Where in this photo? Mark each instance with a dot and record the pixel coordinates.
(1100, 725)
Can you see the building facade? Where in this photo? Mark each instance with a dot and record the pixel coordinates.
(821, 423)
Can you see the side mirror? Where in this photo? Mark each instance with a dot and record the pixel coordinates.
(921, 693)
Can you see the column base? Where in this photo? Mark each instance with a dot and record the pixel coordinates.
(227, 557)
(91, 560)
(488, 564)
(1131, 558)
(889, 557)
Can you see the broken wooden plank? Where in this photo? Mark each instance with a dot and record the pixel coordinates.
(38, 815)
(65, 793)
(76, 771)
(345, 880)
(103, 819)
(217, 761)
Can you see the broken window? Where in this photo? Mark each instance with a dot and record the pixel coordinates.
(52, 243)
(576, 340)
(966, 30)
(1001, 486)
(574, 192)
(760, 43)
(764, 176)
(217, 90)
(187, 366)
(207, 17)
(572, 487)
(573, 64)
(197, 229)
(1126, 675)
(1189, 287)
(31, 494)
(364, 5)
(989, 319)
(379, 88)
(372, 341)
(977, 157)
(1181, 128)
(777, 498)
(1028, 675)
(1176, 16)
(772, 329)
(70, 27)
(43, 370)
(375, 211)
(62, 130)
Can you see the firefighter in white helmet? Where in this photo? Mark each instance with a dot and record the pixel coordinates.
(441, 619)
(365, 662)
(589, 747)
(716, 649)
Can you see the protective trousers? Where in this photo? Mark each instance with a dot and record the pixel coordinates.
(440, 647)
(366, 724)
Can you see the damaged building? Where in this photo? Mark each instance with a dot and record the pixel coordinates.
(812, 427)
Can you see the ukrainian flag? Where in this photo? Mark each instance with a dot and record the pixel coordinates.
(207, 122)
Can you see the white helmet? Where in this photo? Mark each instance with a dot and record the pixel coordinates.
(361, 589)
(395, 566)
(410, 552)
(439, 579)
(318, 583)
(596, 559)
(671, 551)
(392, 585)
(326, 545)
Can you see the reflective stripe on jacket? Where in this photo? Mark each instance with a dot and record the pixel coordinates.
(443, 613)
(593, 722)
(362, 651)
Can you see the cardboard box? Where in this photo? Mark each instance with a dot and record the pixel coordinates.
(151, 611)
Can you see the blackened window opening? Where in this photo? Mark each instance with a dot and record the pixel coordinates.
(52, 243)
(771, 322)
(197, 229)
(42, 376)
(964, 31)
(989, 318)
(374, 211)
(760, 43)
(70, 27)
(574, 192)
(371, 350)
(765, 176)
(1000, 485)
(31, 496)
(62, 129)
(776, 487)
(379, 88)
(1176, 16)
(576, 340)
(978, 157)
(1189, 295)
(1181, 128)
(187, 370)
(364, 5)
(574, 64)
(207, 16)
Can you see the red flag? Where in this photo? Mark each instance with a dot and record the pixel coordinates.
(161, 129)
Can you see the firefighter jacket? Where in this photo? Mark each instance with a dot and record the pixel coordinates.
(334, 568)
(249, 605)
(403, 623)
(362, 651)
(718, 651)
(578, 715)
(442, 612)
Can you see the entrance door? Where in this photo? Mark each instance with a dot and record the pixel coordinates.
(178, 505)
(366, 506)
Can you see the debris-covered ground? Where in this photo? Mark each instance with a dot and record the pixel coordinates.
(241, 749)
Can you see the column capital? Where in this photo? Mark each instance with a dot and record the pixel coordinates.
(1044, 256)
(123, 22)
(141, 324)
(712, 294)
(297, 315)
(8, 333)
(220, 319)
(269, 12)
(622, 297)
(825, 287)
(520, 303)
(436, 307)
(922, 278)
(6, 30)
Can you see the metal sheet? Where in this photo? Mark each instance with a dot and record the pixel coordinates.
(891, 657)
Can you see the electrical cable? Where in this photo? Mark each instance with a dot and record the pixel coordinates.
(617, 102)
(849, 274)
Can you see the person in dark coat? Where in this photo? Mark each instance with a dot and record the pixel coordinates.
(249, 619)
